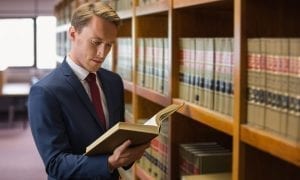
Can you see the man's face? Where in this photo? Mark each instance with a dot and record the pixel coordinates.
(93, 43)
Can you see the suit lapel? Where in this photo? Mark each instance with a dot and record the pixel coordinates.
(74, 82)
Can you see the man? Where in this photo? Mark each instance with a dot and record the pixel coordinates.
(62, 114)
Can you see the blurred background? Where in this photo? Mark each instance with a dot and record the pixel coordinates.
(28, 52)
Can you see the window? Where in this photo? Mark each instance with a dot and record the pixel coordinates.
(46, 37)
(16, 42)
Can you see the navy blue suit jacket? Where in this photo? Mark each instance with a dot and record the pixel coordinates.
(63, 122)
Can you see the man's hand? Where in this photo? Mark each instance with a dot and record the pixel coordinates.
(125, 155)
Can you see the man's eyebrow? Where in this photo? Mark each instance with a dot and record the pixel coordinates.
(100, 39)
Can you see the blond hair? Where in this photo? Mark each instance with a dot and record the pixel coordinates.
(83, 14)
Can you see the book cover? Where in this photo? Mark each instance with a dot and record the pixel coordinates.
(137, 133)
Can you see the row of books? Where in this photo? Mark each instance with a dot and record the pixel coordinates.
(274, 85)
(65, 9)
(152, 64)
(127, 4)
(108, 62)
(124, 56)
(121, 4)
(128, 112)
(63, 44)
(206, 70)
(146, 2)
(154, 161)
(204, 158)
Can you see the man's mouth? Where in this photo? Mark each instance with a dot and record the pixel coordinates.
(97, 60)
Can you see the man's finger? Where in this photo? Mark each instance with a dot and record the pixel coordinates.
(124, 146)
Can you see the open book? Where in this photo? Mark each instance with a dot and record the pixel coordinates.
(137, 133)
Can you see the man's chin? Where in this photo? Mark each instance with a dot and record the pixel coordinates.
(95, 68)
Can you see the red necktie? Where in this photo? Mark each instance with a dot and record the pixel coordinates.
(96, 98)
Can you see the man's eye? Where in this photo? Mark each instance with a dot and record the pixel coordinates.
(109, 45)
(95, 42)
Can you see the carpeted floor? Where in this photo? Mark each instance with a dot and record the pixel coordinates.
(19, 159)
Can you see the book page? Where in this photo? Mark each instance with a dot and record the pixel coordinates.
(151, 121)
(163, 114)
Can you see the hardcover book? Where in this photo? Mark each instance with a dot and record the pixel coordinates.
(137, 133)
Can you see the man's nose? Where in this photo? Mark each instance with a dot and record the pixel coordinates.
(101, 50)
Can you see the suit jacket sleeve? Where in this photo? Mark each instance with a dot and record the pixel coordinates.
(51, 137)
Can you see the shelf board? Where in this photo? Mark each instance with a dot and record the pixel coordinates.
(128, 85)
(141, 174)
(125, 14)
(274, 144)
(157, 7)
(153, 96)
(187, 3)
(211, 118)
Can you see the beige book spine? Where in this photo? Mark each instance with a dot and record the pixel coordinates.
(209, 73)
(200, 66)
(293, 122)
(272, 112)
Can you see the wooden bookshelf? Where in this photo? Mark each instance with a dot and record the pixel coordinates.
(272, 143)
(157, 7)
(125, 14)
(215, 120)
(187, 3)
(128, 85)
(153, 96)
(236, 19)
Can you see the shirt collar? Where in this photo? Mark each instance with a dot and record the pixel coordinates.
(80, 72)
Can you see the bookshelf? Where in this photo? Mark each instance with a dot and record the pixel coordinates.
(257, 152)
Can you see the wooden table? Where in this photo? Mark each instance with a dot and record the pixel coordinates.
(14, 95)
(15, 89)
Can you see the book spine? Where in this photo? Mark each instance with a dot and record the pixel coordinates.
(293, 121)
(141, 62)
(165, 66)
(273, 85)
(209, 73)
(191, 69)
(218, 76)
(228, 73)
(183, 69)
(204, 157)
(149, 63)
(283, 68)
(256, 51)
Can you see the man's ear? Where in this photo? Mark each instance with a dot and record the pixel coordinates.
(72, 33)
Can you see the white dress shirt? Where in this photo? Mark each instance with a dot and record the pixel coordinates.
(81, 73)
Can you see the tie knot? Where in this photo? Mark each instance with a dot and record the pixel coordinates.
(91, 77)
